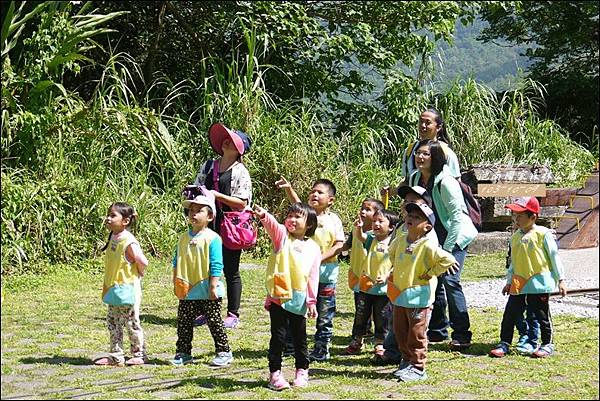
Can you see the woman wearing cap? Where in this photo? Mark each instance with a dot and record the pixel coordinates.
(455, 232)
(232, 188)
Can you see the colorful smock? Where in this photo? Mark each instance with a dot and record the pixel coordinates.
(410, 261)
(121, 279)
(377, 263)
(329, 231)
(535, 267)
(198, 257)
(358, 257)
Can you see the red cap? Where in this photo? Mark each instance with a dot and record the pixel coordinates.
(525, 203)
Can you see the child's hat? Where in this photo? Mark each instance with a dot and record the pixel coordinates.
(418, 190)
(424, 208)
(217, 133)
(200, 200)
(524, 203)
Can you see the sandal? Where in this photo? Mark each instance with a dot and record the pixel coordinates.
(105, 361)
(136, 360)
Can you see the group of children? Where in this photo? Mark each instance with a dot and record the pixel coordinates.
(393, 273)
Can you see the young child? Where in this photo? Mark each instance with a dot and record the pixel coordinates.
(124, 266)
(372, 297)
(416, 261)
(534, 271)
(292, 283)
(197, 269)
(392, 354)
(329, 235)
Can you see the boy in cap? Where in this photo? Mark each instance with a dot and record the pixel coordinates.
(197, 269)
(534, 271)
(417, 260)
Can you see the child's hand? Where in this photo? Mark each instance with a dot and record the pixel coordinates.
(382, 278)
(506, 289)
(259, 212)
(212, 293)
(358, 222)
(454, 268)
(282, 183)
(312, 311)
(562, 290)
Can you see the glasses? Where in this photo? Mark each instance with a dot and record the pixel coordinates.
(422, 153)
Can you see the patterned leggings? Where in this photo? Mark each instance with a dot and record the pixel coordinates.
(189, 310)
(128, 316)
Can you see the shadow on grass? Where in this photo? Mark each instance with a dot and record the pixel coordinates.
(476, 349)
(153, 319)
(78, 361)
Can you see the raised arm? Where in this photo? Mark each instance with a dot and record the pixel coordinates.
(289, 191)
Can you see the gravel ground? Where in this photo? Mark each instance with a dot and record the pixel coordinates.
(581, 270)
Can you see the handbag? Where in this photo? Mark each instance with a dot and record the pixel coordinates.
(237, 229)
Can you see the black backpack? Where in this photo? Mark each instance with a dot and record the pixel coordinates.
(473, 208)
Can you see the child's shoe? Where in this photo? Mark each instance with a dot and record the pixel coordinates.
(404, 364)
(277, 382)
(301, 379)
(412, 374)
(319, 354)
(379, 350)
(525, 347)
(181, 359)
(500, 350)
(108, 361)
(353, 348)
(544, 351)
(200, 321)
(231, 321)
(222, 359)
(136, 360)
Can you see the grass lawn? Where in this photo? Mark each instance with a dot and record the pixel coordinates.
(53, 325)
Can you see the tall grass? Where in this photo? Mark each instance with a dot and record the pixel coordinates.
(65, 160)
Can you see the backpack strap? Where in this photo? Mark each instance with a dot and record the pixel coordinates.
(215, 176)
(407, 155)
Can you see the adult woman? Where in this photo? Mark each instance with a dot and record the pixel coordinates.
(233, 191)
(455, 232)
(431, 127)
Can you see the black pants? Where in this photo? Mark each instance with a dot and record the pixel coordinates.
(516, 305)
(187, 311)
(283, 321)
(368, 305)
(231, 268)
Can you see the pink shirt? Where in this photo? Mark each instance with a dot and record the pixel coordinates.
(278, 234)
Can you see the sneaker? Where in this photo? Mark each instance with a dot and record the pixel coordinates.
(222, 359)
(108, 361)
(524, 347)
(436, 338)
(136, 360)
(200, 321)
(412, 374)
(181, 359)
(544, 351)
(500, 350)
(353, 348)
(231, 321)
(301, 379)
(319, 354)
(404, 364)
(382, 360)
(277, 382)
(459, 345)
(379, 350)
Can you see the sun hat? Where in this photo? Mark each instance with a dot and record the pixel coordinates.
(525, 203)
(416, 189)
(425, 209)
(200, 200)
(217, 133)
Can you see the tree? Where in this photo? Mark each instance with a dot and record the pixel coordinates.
(562, 41)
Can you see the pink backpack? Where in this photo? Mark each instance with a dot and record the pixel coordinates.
(238, 228)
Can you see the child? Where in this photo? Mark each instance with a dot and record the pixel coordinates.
(392, 354)
(124, 266)
(329, 235)
(197, 269)
(416, 261)
(372, 297)
(534, 271)
(292, 283)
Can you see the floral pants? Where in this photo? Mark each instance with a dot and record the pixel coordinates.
(125, 316)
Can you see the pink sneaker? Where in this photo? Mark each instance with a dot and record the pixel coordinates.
(301, 379)
(379, 350)
(277, 382)
(231, 321)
